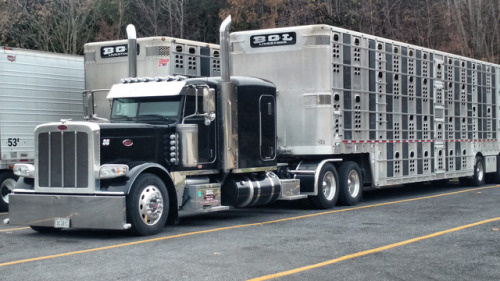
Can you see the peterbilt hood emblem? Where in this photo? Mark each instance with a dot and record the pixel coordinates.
(128, 142)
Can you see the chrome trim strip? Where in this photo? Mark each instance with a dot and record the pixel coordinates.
(303, 172)
(253, 170)
(103, 193)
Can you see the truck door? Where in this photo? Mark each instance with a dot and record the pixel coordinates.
(267, 127)
(206, 134)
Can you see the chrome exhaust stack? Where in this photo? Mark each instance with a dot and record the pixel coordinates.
(228, 103)
(132, 50)
(224, 49)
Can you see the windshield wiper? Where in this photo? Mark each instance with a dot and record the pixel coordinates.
(121, 117)
(152, 117)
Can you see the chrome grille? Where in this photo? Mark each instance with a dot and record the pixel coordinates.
(63, 159)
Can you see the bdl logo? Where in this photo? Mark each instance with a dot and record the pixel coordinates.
(270, 40)
(115, 51)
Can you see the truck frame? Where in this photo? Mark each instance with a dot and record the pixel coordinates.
(336, 113)
(35, 87)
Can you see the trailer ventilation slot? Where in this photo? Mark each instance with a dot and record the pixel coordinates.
(157, 51)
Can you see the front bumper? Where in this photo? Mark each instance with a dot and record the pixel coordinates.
(84, 211)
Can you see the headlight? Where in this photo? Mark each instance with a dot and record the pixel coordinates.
(110, 171)
(24, 170)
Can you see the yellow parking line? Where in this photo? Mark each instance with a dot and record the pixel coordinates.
(3, 214)
(237, 226)
(371, 251)
(13, 229)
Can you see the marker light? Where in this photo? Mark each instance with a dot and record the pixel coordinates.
(110, 171)
(24, 170)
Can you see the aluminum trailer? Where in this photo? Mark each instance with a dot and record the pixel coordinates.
(107, 62)
(35, 87)
(395, 112)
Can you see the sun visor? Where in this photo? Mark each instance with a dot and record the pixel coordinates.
(148, 89)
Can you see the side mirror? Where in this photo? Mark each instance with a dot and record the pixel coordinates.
(88, 105)
(209, 100)
(209, 105)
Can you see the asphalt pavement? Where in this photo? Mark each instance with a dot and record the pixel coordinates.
(404, 233)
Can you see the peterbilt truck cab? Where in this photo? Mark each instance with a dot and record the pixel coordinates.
(165, 149)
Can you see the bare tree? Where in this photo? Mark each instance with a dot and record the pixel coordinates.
(478, 27)
(59, 26)
(161, 17)
(113, 20)
(176, 10)
(151, 14)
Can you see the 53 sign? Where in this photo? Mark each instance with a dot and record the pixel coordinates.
(12, 142)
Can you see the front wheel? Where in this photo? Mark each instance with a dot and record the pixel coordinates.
(351, 184)
(7, 183)
(327, 183)
(147, 205)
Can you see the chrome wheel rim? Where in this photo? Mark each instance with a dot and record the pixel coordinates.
(6, 188)
(479, 171)
(151, 205)
(329, 185)
(353, 183)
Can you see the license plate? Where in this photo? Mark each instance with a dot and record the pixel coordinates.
(61, 223)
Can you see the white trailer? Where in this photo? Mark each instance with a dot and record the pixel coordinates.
(35, 87)
(390, 113)
(106, 63)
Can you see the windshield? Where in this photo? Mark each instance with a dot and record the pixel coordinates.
(148, 110)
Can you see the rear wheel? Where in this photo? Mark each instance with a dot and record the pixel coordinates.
(478, 178)
(327, 183)
(7, 183)
(147, 205)
(351, 184)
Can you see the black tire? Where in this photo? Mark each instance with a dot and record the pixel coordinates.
(7, 182)
(443, 182)
(350, 183)
(478, 178)
(328, 190)
(45, 229)
(147, 205)
(490, 178)
(496, 175)
(465, 181)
